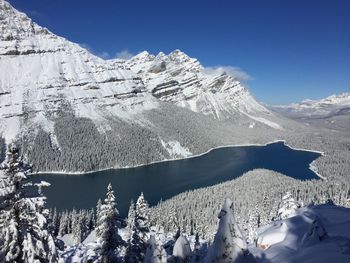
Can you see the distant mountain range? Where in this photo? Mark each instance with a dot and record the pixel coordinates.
(332, 112)
(323, 108)
(73, 111)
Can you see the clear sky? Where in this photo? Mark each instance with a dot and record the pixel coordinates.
(291, 50)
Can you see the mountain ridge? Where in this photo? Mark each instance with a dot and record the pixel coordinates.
(321, 107)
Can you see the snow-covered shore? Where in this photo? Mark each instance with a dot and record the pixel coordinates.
(312, 167)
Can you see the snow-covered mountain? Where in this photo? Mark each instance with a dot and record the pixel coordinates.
(323, 108)
(41, 71)
(184, 81)
(58, 100)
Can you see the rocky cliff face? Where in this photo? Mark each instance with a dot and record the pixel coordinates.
(182, 80)
(65, 105)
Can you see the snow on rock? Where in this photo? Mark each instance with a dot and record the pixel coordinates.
(175, 149)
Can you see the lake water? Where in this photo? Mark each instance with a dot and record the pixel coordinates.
(166, 179)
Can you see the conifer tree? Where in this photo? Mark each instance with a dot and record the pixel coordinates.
(229, 245)
(288, 206)
(98, 206)
(63, 229)
(142, 217)
(131, 216)
(107, 228)
(137, 243)
(55, 223)
(77, 230)
(24, 227)
(155, 253)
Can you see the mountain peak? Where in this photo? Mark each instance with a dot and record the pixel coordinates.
(143, 56)
(178, 54)
(16, 25)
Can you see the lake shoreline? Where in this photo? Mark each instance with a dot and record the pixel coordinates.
(312, 166)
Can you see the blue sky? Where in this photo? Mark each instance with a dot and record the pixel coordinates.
(291, 50)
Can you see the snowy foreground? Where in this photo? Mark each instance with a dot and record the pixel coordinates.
(314, 234)
(311, 234)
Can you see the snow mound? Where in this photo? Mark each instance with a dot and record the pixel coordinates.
(314, 234)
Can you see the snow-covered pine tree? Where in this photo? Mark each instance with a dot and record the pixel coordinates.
(131, 216)
(107, 228)
(229, 245)
(172, 219)
(55, 223)
(182, 250)
(137, 243)
(83, 221)
(98, 206)
(71, 218)
(136, 248)
(265, 210)
(23, 220)
(288, 206)
(91, 220)
(142, 217)
(155, 253)
(77, 230)
(63, 229)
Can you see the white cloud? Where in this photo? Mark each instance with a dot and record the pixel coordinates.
(104, 55)
(124, 54)
(33, 13)
(86, 46)
(235, 72)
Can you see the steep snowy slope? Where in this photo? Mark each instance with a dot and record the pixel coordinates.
(40, 72)
(73, 111)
